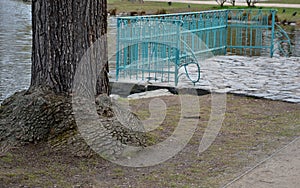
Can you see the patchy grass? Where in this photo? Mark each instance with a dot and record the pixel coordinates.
(251, 131)
(153, 7)
(284, 14)
(265, 1)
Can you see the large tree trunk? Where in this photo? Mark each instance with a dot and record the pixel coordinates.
(63, 30)
(64, 33)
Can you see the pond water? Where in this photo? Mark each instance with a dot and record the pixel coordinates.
(15, 45)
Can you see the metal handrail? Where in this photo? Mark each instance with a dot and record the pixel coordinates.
(193, 60)
(283, 38)
(175, 40)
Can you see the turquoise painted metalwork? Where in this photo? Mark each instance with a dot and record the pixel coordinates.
(249, 30)
(165, 47)
(282, 42)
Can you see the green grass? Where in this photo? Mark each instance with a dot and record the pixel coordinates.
(7, 159)
(265, 1)
(155, 7)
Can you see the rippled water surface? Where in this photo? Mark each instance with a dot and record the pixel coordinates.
(15, 46)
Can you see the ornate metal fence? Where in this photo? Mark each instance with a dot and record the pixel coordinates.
(157, 47)
(165, 47)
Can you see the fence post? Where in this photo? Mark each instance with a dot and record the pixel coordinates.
(226, 31)
(118, 48)
(273, 33)
(177, 60)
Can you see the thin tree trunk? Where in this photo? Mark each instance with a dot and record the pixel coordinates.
(248, 2)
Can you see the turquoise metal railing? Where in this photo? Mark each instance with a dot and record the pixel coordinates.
(159, 46)
(282, 42)
(163, 47)
(147, 47)
(248, 30)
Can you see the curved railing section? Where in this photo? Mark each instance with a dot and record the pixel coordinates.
(188, 60)
(282, 42)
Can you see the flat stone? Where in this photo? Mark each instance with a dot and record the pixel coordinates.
(149, 94)
(274, 78)
(225, 90)
(292, 100)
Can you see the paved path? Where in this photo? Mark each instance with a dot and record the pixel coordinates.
(237, 4)
(276, 78)
(278, 171)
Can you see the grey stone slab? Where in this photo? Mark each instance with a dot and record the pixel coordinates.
(275, 78)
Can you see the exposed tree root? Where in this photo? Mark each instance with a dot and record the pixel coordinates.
(41, 115)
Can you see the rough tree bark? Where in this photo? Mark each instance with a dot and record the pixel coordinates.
(63, 30)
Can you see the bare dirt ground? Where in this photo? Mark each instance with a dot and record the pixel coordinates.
(253, 130)
(279, 170)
